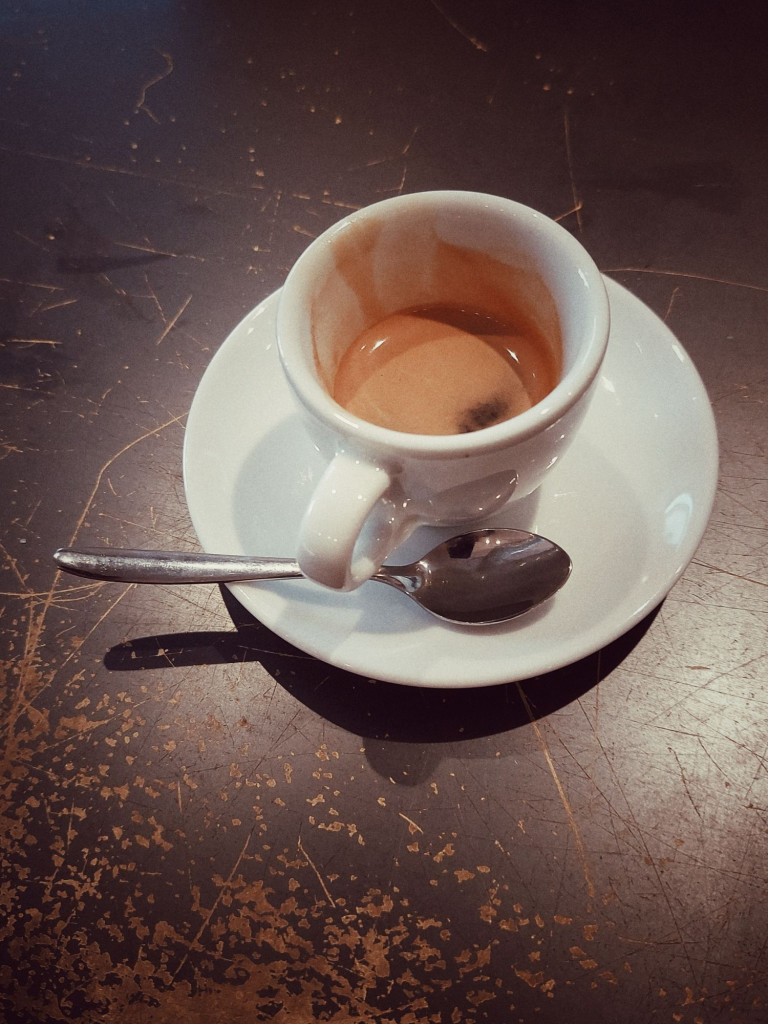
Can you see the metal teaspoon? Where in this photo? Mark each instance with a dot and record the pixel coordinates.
(475, 578)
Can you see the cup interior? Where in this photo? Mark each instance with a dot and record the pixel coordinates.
(477, 252)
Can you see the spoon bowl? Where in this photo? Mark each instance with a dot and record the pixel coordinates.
(476, 578)
(483, 577)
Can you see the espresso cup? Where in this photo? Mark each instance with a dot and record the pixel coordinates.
(455, 259)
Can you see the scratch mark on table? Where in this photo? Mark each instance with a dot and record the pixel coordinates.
(31, 514)
(412, 826)
(30, 284)
(339, 203)
(31, 391)
(378, 161)
(726, 572)
(685, 782)
(673, 296)
(697, 691)
(577, 204)
(49, 307)
(77, 593)
(409, 143)
(172, 322)
(478, 45)
(129, 172)
(685, 274)
(561, 793)
(29, 673)
(650, 860)
(207, 919)
(275, 197)
(713, 761)
(110, 462)
(121, 293)
(401, 184)
(323, 886)
(31, 241)
(568, 213)
(30, 341)
(14, 566)
(141, 104)
(105, 614)
(160, 252)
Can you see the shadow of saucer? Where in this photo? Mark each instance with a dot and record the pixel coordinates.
(369, 708)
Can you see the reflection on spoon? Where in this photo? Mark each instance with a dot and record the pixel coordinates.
(476, 578)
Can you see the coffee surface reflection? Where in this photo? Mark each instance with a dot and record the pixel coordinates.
(444, 370)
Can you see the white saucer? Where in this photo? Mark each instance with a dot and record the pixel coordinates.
(629, 502)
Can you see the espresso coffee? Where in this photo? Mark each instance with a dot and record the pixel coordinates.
(444, 370)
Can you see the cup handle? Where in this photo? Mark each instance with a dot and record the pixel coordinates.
(343, 538)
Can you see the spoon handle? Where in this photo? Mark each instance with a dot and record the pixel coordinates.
(126, 565)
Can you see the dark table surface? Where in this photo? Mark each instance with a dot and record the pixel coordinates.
(201, 822)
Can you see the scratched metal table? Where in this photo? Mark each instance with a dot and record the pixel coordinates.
(201, 822)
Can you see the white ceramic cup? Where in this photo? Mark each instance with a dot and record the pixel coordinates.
(430, 248)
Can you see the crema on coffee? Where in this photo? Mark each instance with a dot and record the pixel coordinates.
(444, 370)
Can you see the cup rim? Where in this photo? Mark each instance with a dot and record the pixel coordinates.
(311, 393)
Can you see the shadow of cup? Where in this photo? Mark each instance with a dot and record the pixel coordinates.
(403, 727)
